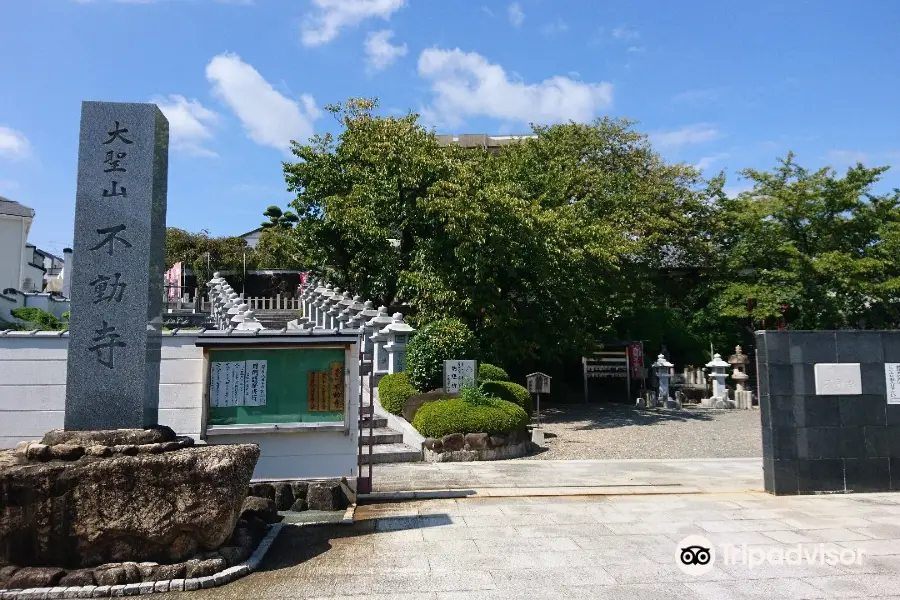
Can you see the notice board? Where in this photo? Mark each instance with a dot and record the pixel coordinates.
(276, 385)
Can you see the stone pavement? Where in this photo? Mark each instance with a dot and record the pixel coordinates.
(568, 477)
(620, 547)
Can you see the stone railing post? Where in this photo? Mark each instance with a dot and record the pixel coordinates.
(380, 360)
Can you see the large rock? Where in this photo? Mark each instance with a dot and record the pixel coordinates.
(326, 495)
(284, 496)
(261, 508)
(110, 437)
(35, 577)
(150, 507)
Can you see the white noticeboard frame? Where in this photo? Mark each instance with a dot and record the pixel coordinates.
(238, 383)
(457, 373)
(892, 382)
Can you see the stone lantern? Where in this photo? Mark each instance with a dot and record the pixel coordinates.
(305, 296)
(249, 322)
(397, 335)
(332, 310)
(743, 398)
(321, 305)
(365, 317)
(343, 307)
(355, 309)
(663, 370)
(380, 361)
(718, 371)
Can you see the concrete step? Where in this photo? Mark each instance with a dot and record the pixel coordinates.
(377, 422)
(391, 453)
(382, 435)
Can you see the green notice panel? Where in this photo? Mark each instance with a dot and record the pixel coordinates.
(291, 385)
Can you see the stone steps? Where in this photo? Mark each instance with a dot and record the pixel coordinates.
(381, 435)
(391, 453)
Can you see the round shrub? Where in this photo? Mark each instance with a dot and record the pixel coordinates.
(434, 343)
(511, 392)
(393, 392)
(489, 372)
(39, 316)
(463, 415)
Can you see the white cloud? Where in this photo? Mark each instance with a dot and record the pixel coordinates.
(269, 117)
(636, 49)
(624, 33)
(380, 53)
(691, 134)
(555, 27)
(707, 161)
(13, 144)
(516, 14)
(330, 16)
(189, 124)
(465, 84)
(732, 191)
(843, 158)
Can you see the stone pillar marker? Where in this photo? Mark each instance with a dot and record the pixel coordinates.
(117, 270)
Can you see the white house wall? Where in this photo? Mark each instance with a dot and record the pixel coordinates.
(12, 245)
(32, 402)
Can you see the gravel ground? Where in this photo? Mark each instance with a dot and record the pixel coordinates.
(615, 431)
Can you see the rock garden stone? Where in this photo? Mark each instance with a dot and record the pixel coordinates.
(112, 437)
(125, 449)
(166, 572)
(453, 441)
(497, 441)
(234, 555)
(261, 508)
(80, 577)
(110, 576)
(204, 568)
(5, 574)
(325, 496)
(34, 577)
(263, 490)
(300, 489)
(98, 451)
(284, 496)
(158, 507)
(299, 505)
(66, 452)
(38, 452)
(477, 441)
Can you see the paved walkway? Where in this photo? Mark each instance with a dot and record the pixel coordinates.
(568, 477)
(619, 547)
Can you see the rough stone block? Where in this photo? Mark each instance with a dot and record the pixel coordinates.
(132, 589)
(117, 590)
(102, 591)
(325, 496)
(191, 584)
(35, 577)
(284, 496)
(161, 586)
(261, 508)
(146, 587)
(300, 489)
(263, 490)
(176, 585)
(207, 582)
(86, 591)
(453, 442)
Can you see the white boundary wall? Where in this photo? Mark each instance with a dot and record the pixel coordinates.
(33, 395)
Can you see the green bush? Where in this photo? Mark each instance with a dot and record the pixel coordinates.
(473, 412)
(511, 392)
(66, 315)
(489, 372)
(393, 392)
(38, 316)
(434, 343)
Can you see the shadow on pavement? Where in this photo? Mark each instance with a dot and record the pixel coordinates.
(605, 416)
(297, 544)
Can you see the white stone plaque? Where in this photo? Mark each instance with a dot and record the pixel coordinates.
(255, 389)
(838, 379)
(458, 373)
(892, 382)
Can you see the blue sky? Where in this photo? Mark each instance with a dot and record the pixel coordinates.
(719, 84)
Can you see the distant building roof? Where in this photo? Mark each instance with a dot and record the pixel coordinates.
(257, 230)
(481, 140)
(10, 207)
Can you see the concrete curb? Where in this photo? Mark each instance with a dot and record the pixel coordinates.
(151, 587)
(349, 515)
(524, 492)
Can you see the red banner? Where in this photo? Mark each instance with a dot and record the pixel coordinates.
(636, 359)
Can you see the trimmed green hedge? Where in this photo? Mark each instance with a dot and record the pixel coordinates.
(393, 392)
(472, 413)
(511, 392)
(489, 372)
(434, 343)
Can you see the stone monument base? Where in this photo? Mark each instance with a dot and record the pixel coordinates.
(78, 500)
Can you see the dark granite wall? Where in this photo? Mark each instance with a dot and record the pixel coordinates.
(812, 443)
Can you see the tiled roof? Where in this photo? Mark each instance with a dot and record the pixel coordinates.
(10, 207)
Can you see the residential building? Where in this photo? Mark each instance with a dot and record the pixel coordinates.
(15, 257)
(491, 143)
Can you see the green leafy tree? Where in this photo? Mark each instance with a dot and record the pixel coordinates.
(279, 219)
(812, 248)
